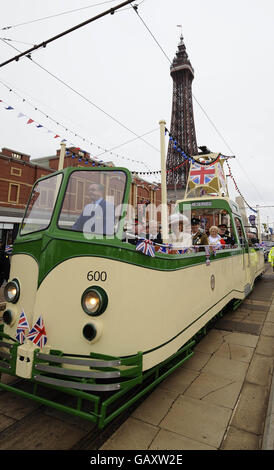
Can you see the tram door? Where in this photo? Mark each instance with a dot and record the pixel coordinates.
(243, 243)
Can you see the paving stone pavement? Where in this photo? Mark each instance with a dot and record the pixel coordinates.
(221, 398)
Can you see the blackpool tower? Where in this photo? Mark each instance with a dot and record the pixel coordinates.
(182, 126)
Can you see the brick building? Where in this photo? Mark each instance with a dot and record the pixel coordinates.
(17, 176)
(18, 173)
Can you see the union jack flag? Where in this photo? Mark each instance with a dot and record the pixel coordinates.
(20, 336)
(38, 333)
(8, 249)
(145, 247)
(202, 174)
(23, 323)
(164, 249)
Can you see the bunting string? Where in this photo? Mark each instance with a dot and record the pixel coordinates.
(149, 247)
(56, 136)
(237, 188)
(38, 125)
(186, 158)
(178, 147)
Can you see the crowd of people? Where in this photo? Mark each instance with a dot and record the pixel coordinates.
(182, 233)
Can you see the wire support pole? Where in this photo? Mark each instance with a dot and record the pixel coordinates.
(70, 30)
(163, 182)
(259, 224)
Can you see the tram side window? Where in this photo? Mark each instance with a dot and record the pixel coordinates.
(240, 231)
(219, 218)
(41, 204)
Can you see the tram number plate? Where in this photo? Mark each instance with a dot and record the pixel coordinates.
(97, 276)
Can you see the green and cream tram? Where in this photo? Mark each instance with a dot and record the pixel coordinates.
(109, 316)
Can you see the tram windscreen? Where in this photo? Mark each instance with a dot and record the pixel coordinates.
(93, 202)
(41, 204)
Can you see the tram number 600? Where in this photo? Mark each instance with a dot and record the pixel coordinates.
(97, 276)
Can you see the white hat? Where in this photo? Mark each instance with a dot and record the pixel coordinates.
(176, 218)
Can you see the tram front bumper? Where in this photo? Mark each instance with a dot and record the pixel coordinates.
(96, 372)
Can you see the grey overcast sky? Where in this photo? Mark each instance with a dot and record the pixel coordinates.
(123, 78)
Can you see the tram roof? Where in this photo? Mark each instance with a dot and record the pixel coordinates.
(211, 202)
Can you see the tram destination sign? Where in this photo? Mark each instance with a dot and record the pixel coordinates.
(202, 204)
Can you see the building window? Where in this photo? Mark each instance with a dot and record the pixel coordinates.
(13, 195)
(15, 171)
(16, 155)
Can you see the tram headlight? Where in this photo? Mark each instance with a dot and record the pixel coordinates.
(12, 291)
(94, 300)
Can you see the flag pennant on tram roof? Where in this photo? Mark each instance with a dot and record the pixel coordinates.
(23, 323)
(145, 247)
(202, 174)
(38, 333)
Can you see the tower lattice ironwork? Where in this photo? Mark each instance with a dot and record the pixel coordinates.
(182, 122)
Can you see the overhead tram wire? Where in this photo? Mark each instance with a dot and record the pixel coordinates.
(127, 142)
(5, 28)
(43, 44)
(19, 42)
(201, 107)
(85, 98)
(56, 15)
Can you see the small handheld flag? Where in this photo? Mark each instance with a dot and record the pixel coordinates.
(20, 336)
(145, 247)
(8, 249)
(22, 326)
(38, 333)
(23, 323)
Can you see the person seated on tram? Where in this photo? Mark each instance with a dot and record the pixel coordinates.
(153, 234)
(240, 233)
(198, 236)
(214, 238)
(224, 234)
(139, 233)
(99, 215)
(179, 236)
